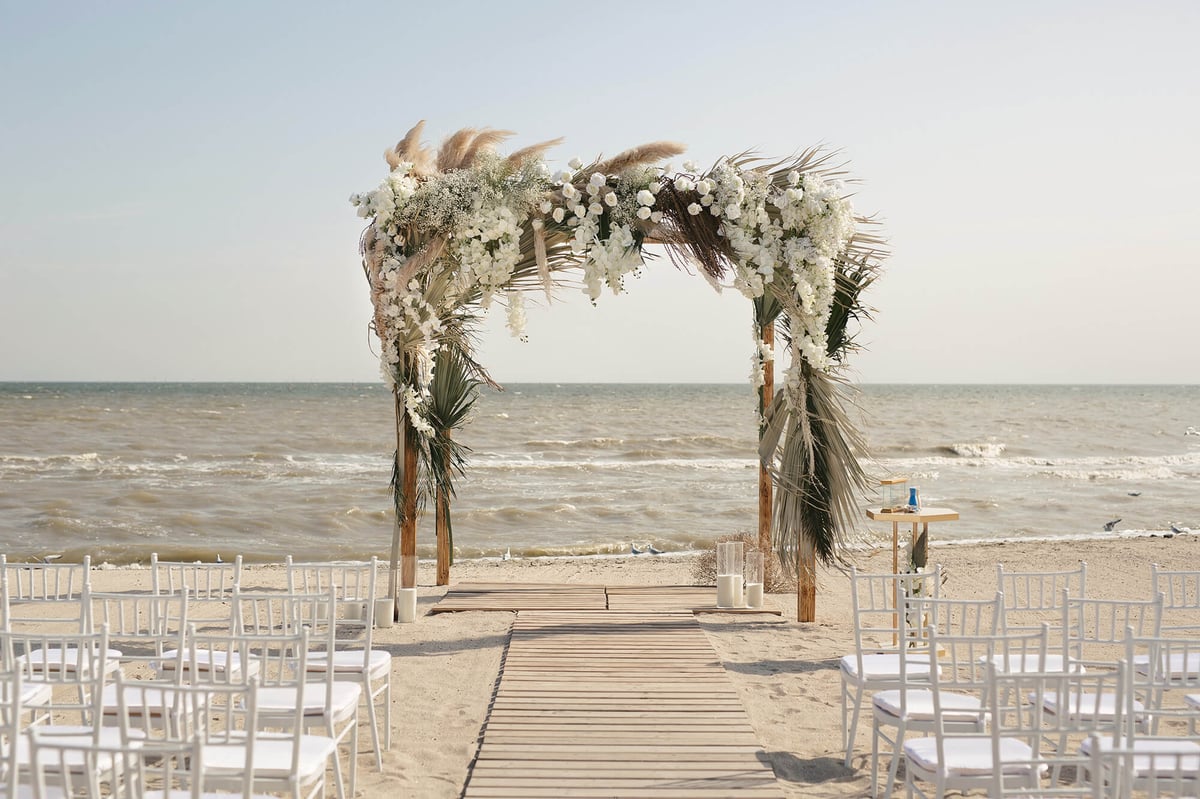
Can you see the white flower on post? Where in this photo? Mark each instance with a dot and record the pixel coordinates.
(793, 178)
(733, 211)
(558, 215)
(689, 166)
(683, 184)
(569, 191)
(695, 208)
(580, 210)
(595, 209)
(574, 163)
(597, 179)
(704, 186)
(610, 199)
(645, 197)
(644, 212)
(656, 217)
(546, 206)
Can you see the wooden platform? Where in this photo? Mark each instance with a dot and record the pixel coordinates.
(616, 704)
(545, 596)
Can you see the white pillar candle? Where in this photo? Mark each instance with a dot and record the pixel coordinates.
(385, 612)
(406, 605)
(739, 594)
(754, 595)
(725, 589)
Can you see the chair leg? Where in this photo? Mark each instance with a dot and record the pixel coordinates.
(387, 714)
(373, 719)
(852, 730)
(352, 739)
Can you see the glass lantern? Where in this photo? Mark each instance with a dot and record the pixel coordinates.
(754, 579)
(894, 494)
(729, 575)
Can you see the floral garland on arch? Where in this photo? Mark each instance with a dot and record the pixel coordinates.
(453, 232)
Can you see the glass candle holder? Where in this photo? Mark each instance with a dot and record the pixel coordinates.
(893, 494)
(754, 579)
(729, 574)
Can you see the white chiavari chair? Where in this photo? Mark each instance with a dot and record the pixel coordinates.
(75, 669)
(1158, 774)
(11, 725)
(144, 628)
(875, 663)
(1035, 598)
(355, 584)
(904, 709)
(329, 704)
(148, 769)
(199, 580)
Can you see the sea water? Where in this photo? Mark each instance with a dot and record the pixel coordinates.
(266, 470)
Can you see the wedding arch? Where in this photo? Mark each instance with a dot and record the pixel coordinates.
(453, 232)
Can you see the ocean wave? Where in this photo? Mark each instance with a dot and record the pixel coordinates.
(701, 464)
(977, 449)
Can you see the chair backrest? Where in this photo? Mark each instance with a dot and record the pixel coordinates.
(200, 581)
(142, 626)
(1034, 597)
(1095, 629)
(65, 764)
(1049, 711)
(1181, 599)
(39, 594)
(877, 601)
(353, 583)
(74, 661)
(1117, 770)
(1164, 669)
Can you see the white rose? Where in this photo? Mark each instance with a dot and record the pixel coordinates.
(598, 179)
(569, 191)
(574, 163)
(563, 177)
(694, 209)
(610, 199)
(733, 211)
(546, 206)
(689, 166)
(655, 187)
(595, 209)
(643, 212)
(706, 200)
(645, 197)
(683, 184)
(793, 178)
(656, 217)
(558, 215)
(580, 210)
(704, 187)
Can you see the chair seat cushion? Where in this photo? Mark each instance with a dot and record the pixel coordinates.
(273, 701)
(1018, 664)
(886, 666)
(272, 758)
(213, 660)
(968, 757)
(1085, 705)
(1193, 700)
(1179, 665)
(956, 708)
(65, 659)
(35, 694)
(351, 660)
(1146, 748)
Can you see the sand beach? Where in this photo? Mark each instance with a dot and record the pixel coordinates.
(446, 666)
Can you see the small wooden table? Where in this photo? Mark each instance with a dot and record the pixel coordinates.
(922, 517)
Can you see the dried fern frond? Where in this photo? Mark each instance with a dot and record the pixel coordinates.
(650, 153)
(532, 151)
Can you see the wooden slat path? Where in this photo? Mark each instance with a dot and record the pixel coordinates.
(545, 596)
(616, 704)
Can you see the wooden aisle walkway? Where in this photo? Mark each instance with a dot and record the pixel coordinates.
(616, 704)
(548, 596)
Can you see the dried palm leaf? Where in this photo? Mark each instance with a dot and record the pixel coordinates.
(690, 238)
(651, 153)
(408, 147)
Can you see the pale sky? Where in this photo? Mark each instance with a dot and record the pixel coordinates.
(174, 177)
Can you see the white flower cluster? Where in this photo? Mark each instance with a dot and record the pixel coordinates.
(763, 354)
(382, 203)
(604, 201)
(487, 248)
(787, 233)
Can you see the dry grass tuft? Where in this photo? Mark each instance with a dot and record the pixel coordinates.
(775, 579)
(642, 155)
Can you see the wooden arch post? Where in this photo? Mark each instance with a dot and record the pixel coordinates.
(765, 489)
